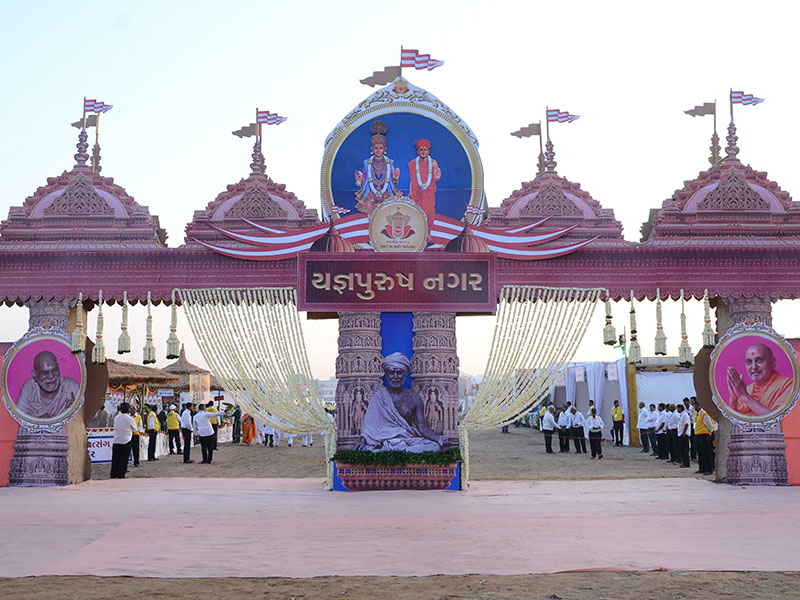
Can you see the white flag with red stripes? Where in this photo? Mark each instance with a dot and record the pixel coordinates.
(412, 58)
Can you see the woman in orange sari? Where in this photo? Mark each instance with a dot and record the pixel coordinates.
(248, 429)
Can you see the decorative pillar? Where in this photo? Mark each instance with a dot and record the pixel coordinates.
(48, 314)
(40, 459)
(358, 369)
(434, 368)
(755, 456)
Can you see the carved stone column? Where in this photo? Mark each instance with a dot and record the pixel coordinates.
(753, 456)
(358, 369)
(434, 368)
(749, 310)
(48, 314)
(757, 457)
(40, 459)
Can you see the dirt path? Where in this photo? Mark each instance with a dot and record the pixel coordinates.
(493, 455)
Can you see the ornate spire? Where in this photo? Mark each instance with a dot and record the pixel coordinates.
(732, 149)
(258, 167)
(550, 155)
(81, 157)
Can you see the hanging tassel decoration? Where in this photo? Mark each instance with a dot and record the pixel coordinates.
(99, 350)
(124, 341)
(708, 331)
(634, 351)
(661, 337)
(609, 333)
(685, 356)
(173, 344)
(79, 334)
(149, 348)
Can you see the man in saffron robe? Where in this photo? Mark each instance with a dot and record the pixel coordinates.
(248, 429)
(424, 173)
(395, 418)
(769, 389)
(46, 394)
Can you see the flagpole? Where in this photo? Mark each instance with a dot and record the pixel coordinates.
(541, 151)
(84, 112)
(96, 150)
(730, 97)
(401, 59)
(540, 160)
(547, 121)
(715, 115)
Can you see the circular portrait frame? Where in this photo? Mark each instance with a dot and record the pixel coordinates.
(397, 100)
(17, 376)
(757, 347)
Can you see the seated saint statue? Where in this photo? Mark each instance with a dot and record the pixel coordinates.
(394, 418)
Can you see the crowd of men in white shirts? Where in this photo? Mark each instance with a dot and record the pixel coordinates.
(202, 423)
(570, 425)
(677, 433)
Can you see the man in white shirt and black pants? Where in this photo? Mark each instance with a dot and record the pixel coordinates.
(186, 431)
(595, 425)
(578, 437)
(641, 424)
(684, 432)
(548, 425)
(204, 429)
(124, 426)
(564, 425)
(661, 432)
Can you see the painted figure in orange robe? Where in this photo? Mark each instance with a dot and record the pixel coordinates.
(424, 173)
(769, 389)
(248, 429)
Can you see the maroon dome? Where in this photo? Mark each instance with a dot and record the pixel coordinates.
(466, 242)
(332, 242)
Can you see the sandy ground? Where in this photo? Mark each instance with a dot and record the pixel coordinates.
(519, 455)
(493, 455)
(656, 585)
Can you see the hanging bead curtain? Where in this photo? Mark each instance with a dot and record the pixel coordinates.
(253, 343)
(536, 334)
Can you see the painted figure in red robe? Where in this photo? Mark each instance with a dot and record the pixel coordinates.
(424, 173)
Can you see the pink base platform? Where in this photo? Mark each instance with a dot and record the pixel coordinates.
(292, 528)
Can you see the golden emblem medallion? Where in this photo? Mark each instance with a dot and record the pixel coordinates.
(398, 225)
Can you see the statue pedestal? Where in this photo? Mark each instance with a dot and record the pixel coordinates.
(757, 457)
(362, 478)
(40, 459)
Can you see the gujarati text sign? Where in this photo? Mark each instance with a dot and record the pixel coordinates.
(396, 282)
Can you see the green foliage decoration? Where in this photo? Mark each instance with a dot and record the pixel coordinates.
(396, 458)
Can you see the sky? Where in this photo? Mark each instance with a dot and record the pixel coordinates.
(183, 75)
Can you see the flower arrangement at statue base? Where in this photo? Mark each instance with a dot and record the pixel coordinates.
(358, 470)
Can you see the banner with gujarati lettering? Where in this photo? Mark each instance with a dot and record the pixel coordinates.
(396, 282)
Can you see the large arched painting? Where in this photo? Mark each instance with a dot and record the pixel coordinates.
(402, 141)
